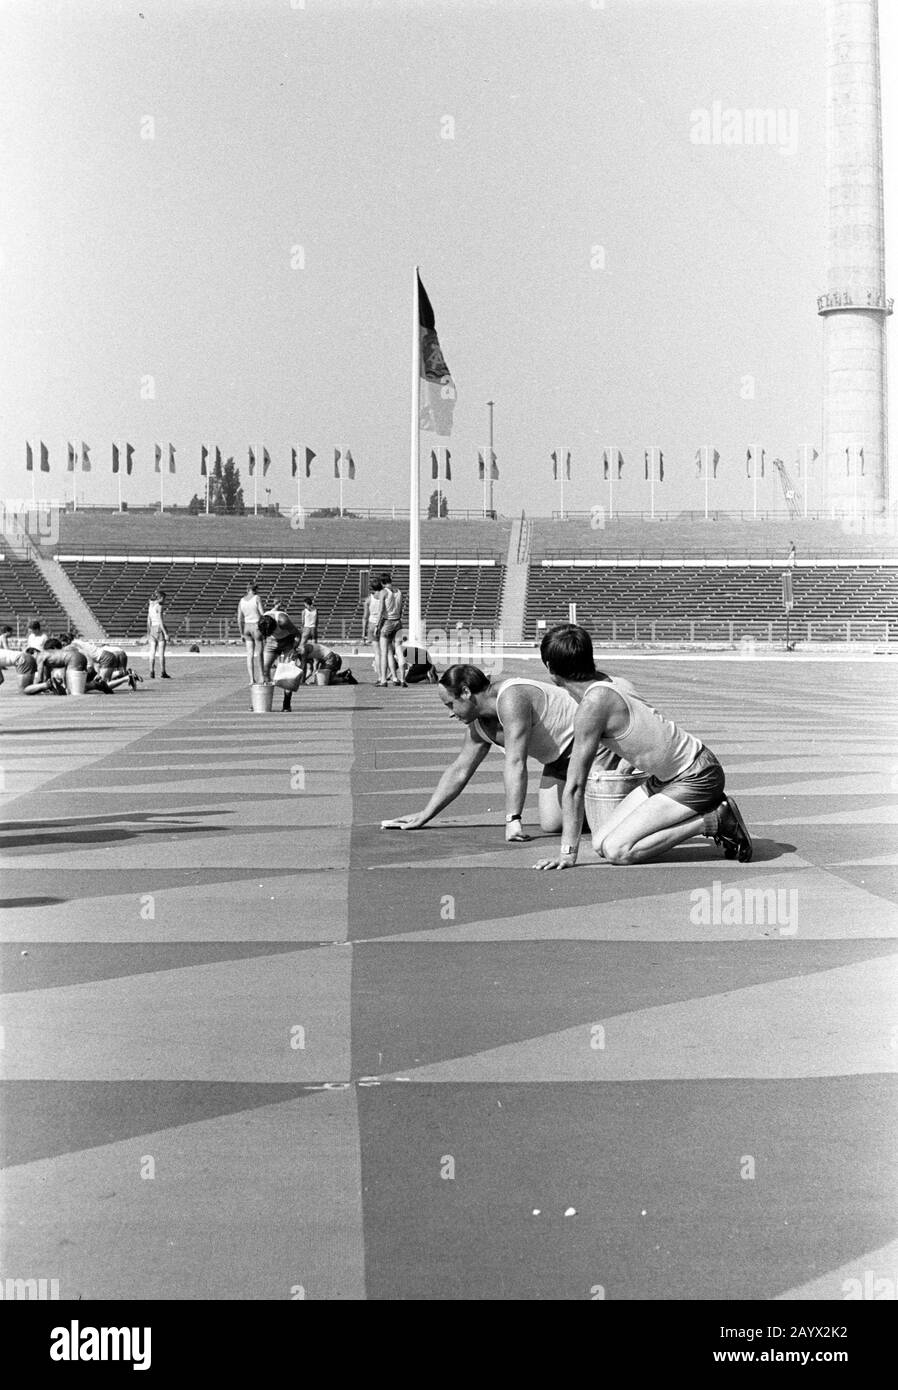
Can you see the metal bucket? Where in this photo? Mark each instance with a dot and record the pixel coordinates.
(323, 677)
(604, 793)
(76, 682)
(261, 697)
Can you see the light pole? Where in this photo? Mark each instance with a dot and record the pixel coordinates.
(490, 460)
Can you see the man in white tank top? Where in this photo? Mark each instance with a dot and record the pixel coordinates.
(683, 795)
(249, 611)
(526, 718)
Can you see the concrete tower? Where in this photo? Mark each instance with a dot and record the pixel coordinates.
(854, 304)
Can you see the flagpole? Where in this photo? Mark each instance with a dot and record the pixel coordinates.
(161, 480)
(612, 464)
(804, 477)
(489, 468)
(35, 462)
(414, 522)
(119, 480)
(340, 466)
(208, 472)
(561, 479)
(652, 485)
(76, 461)
(754, 480)
(706, 455)
(256, 484)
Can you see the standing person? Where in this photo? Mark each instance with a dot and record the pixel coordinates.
(5, 634)
(790, 558)
(309, 621)
(683, 795)
(389, 623)
(370, 621)
(157, 633)
(249, 611)
(35, 637)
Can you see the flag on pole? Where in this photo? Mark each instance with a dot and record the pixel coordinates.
(438, 392)
(350, 464)
(171, 458)
(609, 457)
(252, 460)
(85, 457)
(441, 463)
(703, 457)
(158, 457)
(129, 458)
(78, 458)
(759, 457)
(561, 458)
(40, 449)
(654, 464)
(266, 461)
(482, 456)
(70, 453)
(204, 461)
(854, 454)
(807, 455)
(310, 454)
(294, 462)
(116, 462)
(347, 460)
(29, 458)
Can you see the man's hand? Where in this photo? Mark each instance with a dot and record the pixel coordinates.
(515, 831)
(403, 823)
(564, 861)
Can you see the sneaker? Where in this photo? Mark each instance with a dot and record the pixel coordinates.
(166, 676)
(732, 833)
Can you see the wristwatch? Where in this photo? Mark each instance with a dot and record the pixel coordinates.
(509, 819)
(569, 849)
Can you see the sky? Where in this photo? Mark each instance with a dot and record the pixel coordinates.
(211, 211)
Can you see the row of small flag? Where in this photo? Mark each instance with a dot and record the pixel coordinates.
(79, 459)
(706, 462)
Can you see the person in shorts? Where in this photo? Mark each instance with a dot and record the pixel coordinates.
(157, 633)
(316, 657)
(249, 610)
(370, 623)
(388, 626)
(683, 795)
(309, 631)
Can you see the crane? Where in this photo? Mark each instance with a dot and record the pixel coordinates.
(791, 493)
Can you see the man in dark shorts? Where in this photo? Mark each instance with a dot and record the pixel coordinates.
(683, 795)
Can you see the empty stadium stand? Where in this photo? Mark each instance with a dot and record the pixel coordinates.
(149, 534)
(698, 601)
(631, 537)
(25, 594)
(202, 596)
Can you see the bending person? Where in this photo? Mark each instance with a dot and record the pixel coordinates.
(683, 795)
(526, 719)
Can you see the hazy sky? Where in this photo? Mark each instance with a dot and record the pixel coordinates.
(277, 125)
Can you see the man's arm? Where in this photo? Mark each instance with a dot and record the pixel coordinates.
(517, 721)
(452, 783)
(589, 726)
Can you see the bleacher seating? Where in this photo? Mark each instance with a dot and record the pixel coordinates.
(632, 536)
(202, 598)
(615, 601)
(148, 534)
(24, 595)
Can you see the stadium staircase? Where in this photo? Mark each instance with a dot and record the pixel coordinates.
(82, 619)
(517, 577)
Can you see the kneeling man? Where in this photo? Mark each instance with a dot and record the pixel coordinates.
(683, 795)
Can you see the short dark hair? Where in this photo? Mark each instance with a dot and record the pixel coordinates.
(309, 601)
(267, 625)
(566, 651)
(386, 578)
(6, 628)
(34, 625)
(376, 587)
(457, 676)
(52, 644)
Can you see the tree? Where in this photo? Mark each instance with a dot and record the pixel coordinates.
(232, 492)
(437, 501)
